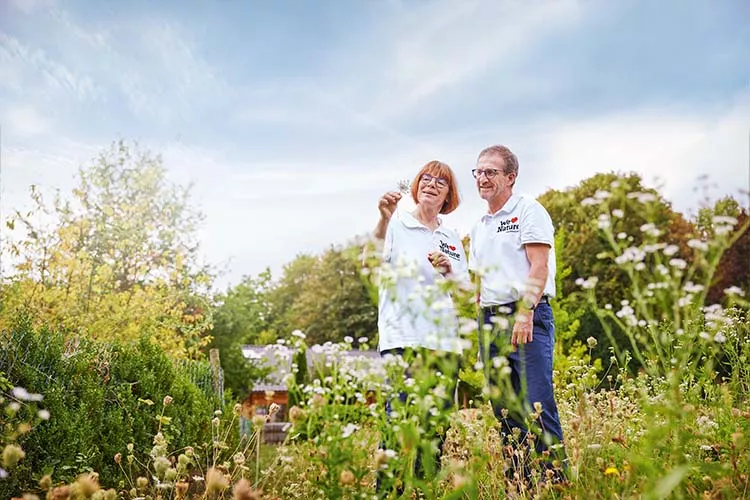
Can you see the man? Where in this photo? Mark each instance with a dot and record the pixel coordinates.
(512, 253)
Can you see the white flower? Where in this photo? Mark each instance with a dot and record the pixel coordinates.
(720, 338)
(618, 213)
(586, 202)
(723, 219)
(671, 250)
(362, 340)
(678, 263)
(602, 195)
(690, 287)
(349, 429)
(43, 414)
(698, 245)
(348, 339)
(589, 283)
(24, 395)
(499, 361)
(642, 197)
(298, 334)
(603, 221)
(734, 290)
(622, 236)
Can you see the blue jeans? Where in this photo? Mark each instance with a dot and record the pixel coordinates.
(530, 374)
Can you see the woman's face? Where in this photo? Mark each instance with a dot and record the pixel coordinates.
(432, 190)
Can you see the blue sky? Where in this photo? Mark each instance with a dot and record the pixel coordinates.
(291, 117)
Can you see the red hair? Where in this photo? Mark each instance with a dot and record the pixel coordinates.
(439, 169)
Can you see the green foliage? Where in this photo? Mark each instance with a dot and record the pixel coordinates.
(241, 318)
(101, 397)
(575, 213)
(323, 296)
(116, 259)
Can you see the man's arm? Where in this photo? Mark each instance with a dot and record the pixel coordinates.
(538, 255)
(523, 327)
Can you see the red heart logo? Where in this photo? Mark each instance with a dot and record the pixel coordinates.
(514, 219)
(452, 248)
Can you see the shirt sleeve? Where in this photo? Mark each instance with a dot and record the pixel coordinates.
(536, 225)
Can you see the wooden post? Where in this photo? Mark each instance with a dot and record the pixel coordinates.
(213, 356)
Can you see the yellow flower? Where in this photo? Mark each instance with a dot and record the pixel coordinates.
(611, 471)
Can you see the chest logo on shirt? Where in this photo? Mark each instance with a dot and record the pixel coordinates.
(509, 226)
(449, 250)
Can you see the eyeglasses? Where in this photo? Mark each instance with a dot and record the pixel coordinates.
(488, 172)
(441, 182)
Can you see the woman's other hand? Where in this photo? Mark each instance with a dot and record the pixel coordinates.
(440, 262)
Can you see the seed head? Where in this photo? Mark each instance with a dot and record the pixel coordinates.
(12, 454)
(347, 477)
(243, 491)
(216, 482)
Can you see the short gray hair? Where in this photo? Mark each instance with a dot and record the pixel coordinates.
(510, 159)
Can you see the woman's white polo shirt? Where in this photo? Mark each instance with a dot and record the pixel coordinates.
(412, 310)
(497, 250)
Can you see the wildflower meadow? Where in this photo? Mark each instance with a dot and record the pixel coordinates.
(652, 372)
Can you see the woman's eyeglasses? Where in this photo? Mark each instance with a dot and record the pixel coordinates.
(441, 182)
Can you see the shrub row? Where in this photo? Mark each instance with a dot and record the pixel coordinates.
(101, 397)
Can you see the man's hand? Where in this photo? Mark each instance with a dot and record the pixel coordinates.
(387, 204)
(440, 262)
(523, 328)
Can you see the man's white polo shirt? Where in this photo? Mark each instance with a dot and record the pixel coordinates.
(497, 251)
(412, 310)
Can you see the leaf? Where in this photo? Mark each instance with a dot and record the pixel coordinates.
(145, 401)
(667, 484)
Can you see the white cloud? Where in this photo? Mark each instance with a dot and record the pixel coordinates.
(670, 148)
(28, 67)
(431, 48)
(25, 121)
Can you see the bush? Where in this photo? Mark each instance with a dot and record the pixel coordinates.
(101, 397)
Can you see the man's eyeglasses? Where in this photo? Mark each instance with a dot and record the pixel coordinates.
(441, 182)
(488, 172)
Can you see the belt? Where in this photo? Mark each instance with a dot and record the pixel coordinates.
(510, 307)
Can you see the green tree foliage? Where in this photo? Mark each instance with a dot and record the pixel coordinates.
(241, 317)
(325, 297)
(575, 212)
(117, 259)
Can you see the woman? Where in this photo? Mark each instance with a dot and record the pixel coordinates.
(418, 250)
(416, 316)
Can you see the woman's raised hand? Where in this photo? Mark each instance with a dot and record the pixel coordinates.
(387, 204)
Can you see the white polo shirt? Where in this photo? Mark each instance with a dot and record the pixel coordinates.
(412, 310)
(497, 251)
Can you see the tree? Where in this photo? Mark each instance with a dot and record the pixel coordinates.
(636, 210)
(118, 260)
(325, 297)
(241, 317)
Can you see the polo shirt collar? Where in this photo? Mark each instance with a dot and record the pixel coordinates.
(411, 222)
(509, 206)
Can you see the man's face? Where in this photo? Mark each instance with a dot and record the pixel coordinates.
(492, 182)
